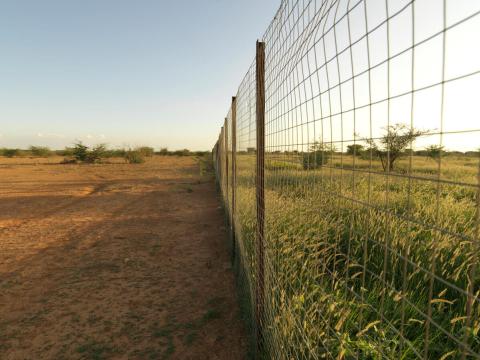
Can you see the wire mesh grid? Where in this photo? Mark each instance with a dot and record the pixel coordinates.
(371, 181)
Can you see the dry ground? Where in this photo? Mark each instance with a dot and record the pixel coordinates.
(114, 261)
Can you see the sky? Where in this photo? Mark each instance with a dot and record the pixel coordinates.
(122, 72)
(162, 73)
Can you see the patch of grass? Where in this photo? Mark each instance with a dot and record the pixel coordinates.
(166, 333)
(134, 157)
(94, 350)
(190, 338)
(205, 164)
(334, 280)
(210, 314)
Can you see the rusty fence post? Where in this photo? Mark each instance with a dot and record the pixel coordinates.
(260, 193)
(234, 173)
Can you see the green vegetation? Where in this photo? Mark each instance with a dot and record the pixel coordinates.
(435, 152)
(352, 257)
(146, 151)
(10, 152)
(82, 153)
(393, 144)
(94, 350)
(134, 156)
(317, 156)
(355, 149)
(40, 151)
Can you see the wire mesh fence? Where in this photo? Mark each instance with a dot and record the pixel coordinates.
(349, 165)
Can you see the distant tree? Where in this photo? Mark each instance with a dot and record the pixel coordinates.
(10, 153)
(163, 151)
(355, 149)
(68, 151)
(146, 151)
(435, 152)
(96, 154)
(134, 156)
(391, 146)
(80, 151)
(40, 151)
(317, 155)
(183, 152)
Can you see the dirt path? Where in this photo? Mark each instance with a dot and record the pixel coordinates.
(114, 262)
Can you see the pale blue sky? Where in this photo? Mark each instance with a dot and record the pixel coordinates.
(124, 72)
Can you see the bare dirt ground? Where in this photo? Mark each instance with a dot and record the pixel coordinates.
(114, 261)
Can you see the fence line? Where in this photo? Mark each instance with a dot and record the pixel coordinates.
(349, 167)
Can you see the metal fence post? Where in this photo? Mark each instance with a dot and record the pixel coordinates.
(260, 191)
(219, 160)
(234, 172)
(227, 204)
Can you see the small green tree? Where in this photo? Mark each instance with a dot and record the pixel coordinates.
(80, 151)
(96, 154)
(134, 156)
(146, 151)
(391, 146)
(163, 151)
(183, 152)
(10, 153)
(317, 155)
(40, 151)
(355, 149)
(435, 152)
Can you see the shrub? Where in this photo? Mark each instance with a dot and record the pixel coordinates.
(40, 151)
(96, 154)
(68, 151)
(80, 152)
(134, 157)
(184, 152)
(355, 149)
(435, 152)
(163, 151)
(119, 153)
(201, 153)
(314, 159)
(11, 152)
(146, 151)
(317, 156)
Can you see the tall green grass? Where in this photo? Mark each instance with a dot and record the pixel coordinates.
(353, 257)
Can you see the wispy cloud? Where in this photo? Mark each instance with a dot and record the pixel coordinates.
(96, 137)
(50, 136)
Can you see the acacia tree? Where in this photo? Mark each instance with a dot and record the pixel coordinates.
(391, 146)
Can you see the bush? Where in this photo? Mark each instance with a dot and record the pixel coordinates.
(10, 153)
(115, 153)
(146, 151)
(201, 153)
(68, 151)
(315, 159)
(80, 152)
(96, 154)
(355, 149)
(163, 151)
(184, 152)
(40, 151)
(134, 157)
(317, 156)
